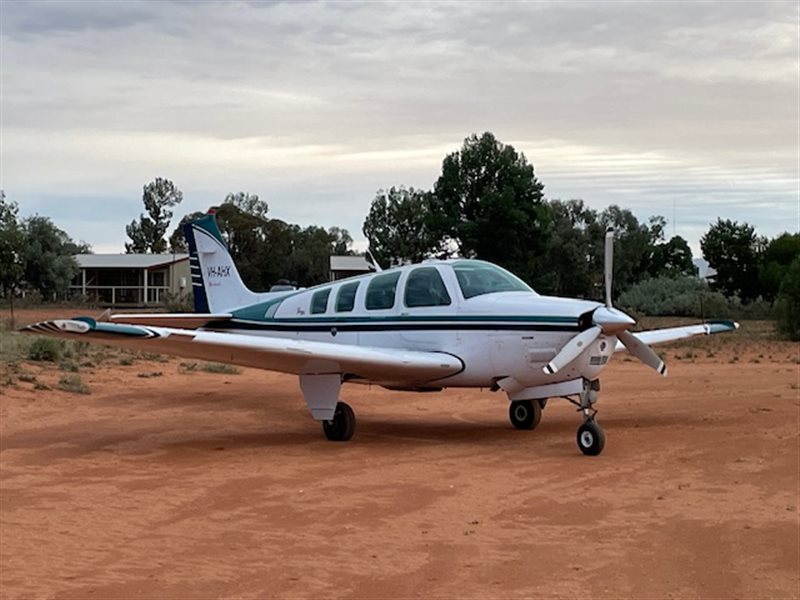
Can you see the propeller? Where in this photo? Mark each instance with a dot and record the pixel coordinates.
(609, 321)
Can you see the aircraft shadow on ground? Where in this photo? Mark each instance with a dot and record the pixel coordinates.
(296, 429)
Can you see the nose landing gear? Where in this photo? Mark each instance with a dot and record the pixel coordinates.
(591, 439)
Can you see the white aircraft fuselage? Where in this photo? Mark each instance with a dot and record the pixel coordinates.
(496, 335)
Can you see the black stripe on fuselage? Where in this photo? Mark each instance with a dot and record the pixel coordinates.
(377, 327)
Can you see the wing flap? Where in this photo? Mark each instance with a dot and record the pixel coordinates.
(178, 320)
(672, 334)
(270, 353)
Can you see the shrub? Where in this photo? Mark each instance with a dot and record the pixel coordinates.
(46, 349)
(74, 384)
(787, 306)
(220, 368)
(679, 296)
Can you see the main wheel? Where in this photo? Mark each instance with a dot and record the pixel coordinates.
(343, 424)
(525, 414)
(591, 438)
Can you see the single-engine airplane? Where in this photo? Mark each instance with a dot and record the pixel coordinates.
(418, 328)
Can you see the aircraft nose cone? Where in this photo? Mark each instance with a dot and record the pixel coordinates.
(611, 320)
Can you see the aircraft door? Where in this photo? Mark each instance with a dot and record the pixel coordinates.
(427, 311)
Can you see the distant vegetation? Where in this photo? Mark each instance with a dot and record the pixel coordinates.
(487, 203)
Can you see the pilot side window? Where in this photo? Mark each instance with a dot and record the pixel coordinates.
(424, 287)
(319, 301)
(346, 298)
(381, 291)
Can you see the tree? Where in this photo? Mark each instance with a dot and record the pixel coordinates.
(489, 202)
(778, 255)
(177, 241)
(341, 241)
(147, 234)
(573, 266)
(12, 245)
(48, 257)
(672, 259)
(634, 247)
(248, 203)
(733, 250)
(787, 306)
(398, 226)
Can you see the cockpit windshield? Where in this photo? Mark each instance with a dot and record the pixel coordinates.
(476, 277)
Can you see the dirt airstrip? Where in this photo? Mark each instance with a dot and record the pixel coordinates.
(166, 481)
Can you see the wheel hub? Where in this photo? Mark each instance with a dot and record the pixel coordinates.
(587, 439)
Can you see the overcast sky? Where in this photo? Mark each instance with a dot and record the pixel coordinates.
(314, 106)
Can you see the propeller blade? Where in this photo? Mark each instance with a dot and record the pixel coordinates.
(572, 349)
(609, 263)
(642, 351)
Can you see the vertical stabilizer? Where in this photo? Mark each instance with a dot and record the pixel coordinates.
(216, 284)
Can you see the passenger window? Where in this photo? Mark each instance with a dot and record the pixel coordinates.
(346, 298)
(319, 301)
(381, 290)
(424, 287)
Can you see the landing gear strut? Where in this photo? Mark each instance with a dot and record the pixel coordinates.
(343, 424)
(525, 414)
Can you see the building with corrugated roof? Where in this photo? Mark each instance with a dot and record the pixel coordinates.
(347, 266)
(132, 280)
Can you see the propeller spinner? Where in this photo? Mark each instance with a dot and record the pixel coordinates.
(609, 321)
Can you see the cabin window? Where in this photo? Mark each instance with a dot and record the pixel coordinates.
(319, 301)
(476, 278)
(425, 287)
(381, 291)
(346, 298)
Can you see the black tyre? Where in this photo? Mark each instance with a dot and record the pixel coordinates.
(525, 414)
(591, 439)
(343, 424)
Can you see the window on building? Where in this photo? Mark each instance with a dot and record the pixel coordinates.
(346, 297)
(381, 291)
(424, 287)
(157, 278)
(319, 301)
(476, 278)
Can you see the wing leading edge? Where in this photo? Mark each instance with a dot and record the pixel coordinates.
(275, 354)
(671, 334)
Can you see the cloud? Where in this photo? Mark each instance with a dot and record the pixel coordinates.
(316, 105)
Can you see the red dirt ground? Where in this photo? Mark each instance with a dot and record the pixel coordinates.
(199, 485)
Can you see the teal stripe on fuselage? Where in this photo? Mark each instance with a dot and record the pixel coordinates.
(237, 315)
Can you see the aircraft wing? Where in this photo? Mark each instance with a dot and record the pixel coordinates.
(671, 334)
(270, 353)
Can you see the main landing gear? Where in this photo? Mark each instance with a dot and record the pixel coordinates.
(525, 414)
(343, 424)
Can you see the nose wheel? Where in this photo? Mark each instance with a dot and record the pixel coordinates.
(591, 439)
